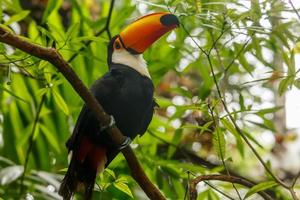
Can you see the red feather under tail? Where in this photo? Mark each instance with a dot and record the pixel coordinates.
(83, 169)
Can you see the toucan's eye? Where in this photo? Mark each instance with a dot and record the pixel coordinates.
(117, 45)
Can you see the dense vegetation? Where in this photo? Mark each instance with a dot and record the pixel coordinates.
(220, 83)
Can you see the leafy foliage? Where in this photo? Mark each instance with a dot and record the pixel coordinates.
(251, 47)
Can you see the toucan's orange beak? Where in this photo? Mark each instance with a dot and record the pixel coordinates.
(143, 32)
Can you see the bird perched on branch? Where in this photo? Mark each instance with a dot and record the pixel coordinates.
(126, 93)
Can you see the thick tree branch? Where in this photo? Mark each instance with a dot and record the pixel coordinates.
(51, 55)
(225, 178)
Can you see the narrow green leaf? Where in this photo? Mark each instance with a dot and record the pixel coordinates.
(12, 94)
(42, 64)
(250, 137)
(87, 38)
(230, 128)
(60, 102)
(110, 172)
(45, 32)
(51, 7)
(244, 62)
(50, 137)
(242, 102)
(175, 140)
(170, 170)
(269, 110)
(284, 84)
(219, 143)
(289, 61)
(71, 31)
(297, 83)
(259, 187)
(17, 17)
(123, 187)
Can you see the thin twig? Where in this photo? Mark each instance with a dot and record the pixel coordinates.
(294, 8)
(31, 141)
(239, 53)
(112, 3)
(221, 153)
(218, 190)
(296, 178)
(225, 178)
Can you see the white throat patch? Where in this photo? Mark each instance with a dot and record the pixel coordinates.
(136, 62)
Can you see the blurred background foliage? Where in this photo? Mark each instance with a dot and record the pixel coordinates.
(252, 47)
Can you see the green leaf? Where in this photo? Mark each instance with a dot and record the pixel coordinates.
(51, 7)
(110, 172)
(268, 110)
(17, 17)
(219, 143)
(175, 140)
(48, 34)
(10, 174)
(297, 83)
(88, 38)
(12, 94)
(284, 84)
(259, 187)
(289, 61)
(50, 137)
(72, 31)
(60, 102)
(244, 62)
(229, 127)
(120, 185)
(170, 170)
(242, 102)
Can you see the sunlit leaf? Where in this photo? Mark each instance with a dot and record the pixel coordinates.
(284, 84)
(230, 127)
(219, 143)
(50, 137)
(260, 187)
(12, 94)
(60, 102)
(17, 17)
(51, 7)
(123, 187)
(297, 83)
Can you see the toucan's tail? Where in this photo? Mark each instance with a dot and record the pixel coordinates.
(83, 168)
(69, 183)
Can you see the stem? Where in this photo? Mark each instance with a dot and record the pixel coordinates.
(31, 140)
(221, 154)
(225, 178)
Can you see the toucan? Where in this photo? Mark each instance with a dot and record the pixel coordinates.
(126, 94)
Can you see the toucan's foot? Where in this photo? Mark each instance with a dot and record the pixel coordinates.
(126, 142)
(112, 123)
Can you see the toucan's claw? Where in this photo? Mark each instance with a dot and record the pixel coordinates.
(126, 142)
(112, 123)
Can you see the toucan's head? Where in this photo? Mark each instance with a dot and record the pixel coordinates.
(127, 47)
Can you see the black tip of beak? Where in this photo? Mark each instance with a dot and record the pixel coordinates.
(169, 20)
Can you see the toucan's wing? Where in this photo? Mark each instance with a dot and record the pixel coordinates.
(104, 89)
